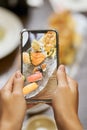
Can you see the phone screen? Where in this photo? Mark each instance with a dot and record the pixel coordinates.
(39, 59)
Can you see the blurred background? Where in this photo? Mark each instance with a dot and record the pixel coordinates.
(68, 17)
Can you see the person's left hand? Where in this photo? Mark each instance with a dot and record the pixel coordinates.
(12, 103)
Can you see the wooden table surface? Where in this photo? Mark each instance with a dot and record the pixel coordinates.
(37, 18)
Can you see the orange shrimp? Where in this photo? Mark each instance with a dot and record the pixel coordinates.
(37, 58)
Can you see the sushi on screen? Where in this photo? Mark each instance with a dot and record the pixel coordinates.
(36, 58)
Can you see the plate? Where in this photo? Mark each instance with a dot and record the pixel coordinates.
(80, 44)
(72, 5)
(38, 108)
(34, 110)
(40, 122)
(10, 27)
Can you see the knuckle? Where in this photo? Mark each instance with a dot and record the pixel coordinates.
(17, 94)
(76, 83)
(4, 95)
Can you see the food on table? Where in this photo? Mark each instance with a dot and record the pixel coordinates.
(26, 58)
(65, 24)
(35, 77)
(37, 58)
(30, 88)
(36, 45)
(67, 53)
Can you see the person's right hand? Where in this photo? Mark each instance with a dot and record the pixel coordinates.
(65, 102)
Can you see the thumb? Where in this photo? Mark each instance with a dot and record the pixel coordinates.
(61, 76)
(18, 83)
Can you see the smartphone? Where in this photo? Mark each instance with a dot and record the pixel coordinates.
(39, 59)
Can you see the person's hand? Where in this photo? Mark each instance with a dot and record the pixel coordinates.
(12, 104)
(65, 102)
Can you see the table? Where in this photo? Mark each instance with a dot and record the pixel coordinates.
(37, 19)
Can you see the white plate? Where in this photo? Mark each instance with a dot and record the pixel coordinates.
(72, 5)
(12, 26)
(37, 108)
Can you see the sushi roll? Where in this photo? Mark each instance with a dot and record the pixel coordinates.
(30, 88)
(35, 77)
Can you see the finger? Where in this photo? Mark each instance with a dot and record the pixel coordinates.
(18, 83)
(74, 88)
(61, 76)
(9, 85)
(72, 84)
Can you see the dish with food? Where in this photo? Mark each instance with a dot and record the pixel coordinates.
(10, 27)
(72, 29)
(65, 24)
(40, 122)
(39, 60)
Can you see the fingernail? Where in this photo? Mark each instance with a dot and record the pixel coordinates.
(61, 68)
(18, 74)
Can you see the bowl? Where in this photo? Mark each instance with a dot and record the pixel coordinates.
(41, 122)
